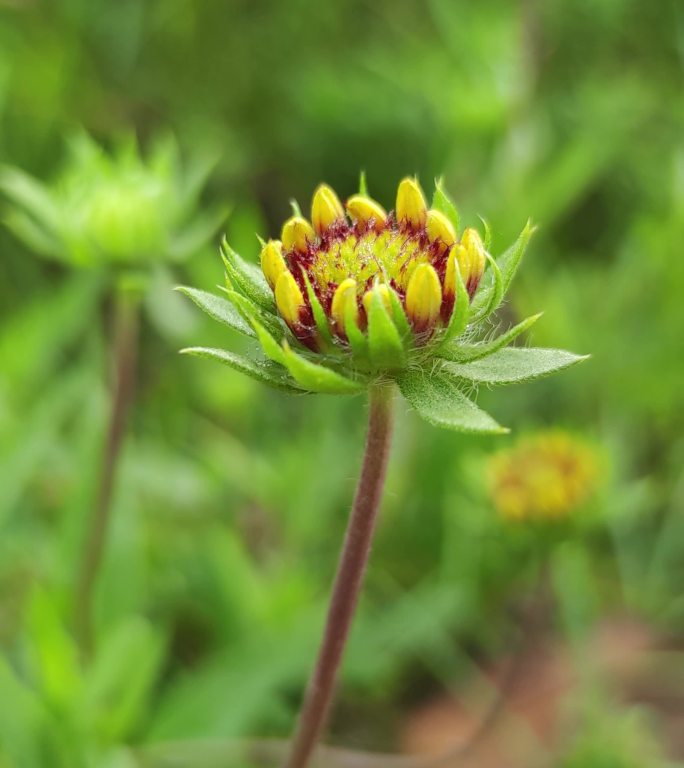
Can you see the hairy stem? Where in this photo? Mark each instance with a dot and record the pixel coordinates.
(124, 353)
(350, 571)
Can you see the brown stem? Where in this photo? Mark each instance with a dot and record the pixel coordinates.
(350, 572)
(124, 350)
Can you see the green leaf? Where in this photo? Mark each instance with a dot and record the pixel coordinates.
(317, 377)
(437, 399)
(459, 316)
(481, 311)
(217, 308)
(119, 682)
(384, 342)
(23, 719)
(248, 278)
(463, 353)
(443, 203)
(52, 651)
(264, 372)
(514, 364)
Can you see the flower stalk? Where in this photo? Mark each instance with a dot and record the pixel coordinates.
(349, 578)
(124, 352)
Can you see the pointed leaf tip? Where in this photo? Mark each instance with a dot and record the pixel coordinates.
(217, 308)
(515, 364)
(266, 373)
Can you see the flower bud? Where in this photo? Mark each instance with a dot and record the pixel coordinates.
(473, 263)
(384, 293)
(326, 209)
(440, 228)
(297, 234)
(289, 298)
(411, 206)
(423, 297)
(272, 262)
(363, 210)
(457, 256)
(344, 301)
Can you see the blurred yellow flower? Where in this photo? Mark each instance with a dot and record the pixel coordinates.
(543, 477)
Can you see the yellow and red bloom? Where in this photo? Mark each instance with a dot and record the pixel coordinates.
(410, 256)
(359, 294)
(544, 477)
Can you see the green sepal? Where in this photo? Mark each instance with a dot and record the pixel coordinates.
(217, 308)
(251, 312)
(481, 311)
(35, 235)
(315, 377)
(464, 353)
(487, 239)
(35, 218)
(459, 315)
(511, 259)
(384, 342)
(264, 372)
(363, 184)
(436, 398)
(515, 364)
(508, 264)
(320, 318)
(296, 210)
(400, 319)
(443, 203)
(355, 336)
(247, 278)
(196, 233)
(269, 344)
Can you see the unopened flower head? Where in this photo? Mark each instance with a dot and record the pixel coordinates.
(349, 257)
(544, 477)
(120, 208)
(359, 295)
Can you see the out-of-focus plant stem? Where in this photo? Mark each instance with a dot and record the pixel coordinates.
(349, 578)
(124, 357)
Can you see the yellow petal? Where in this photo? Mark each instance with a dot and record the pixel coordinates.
(326, 208)
(440, 228)
(289, 298)
(384, 292)
(475, 263)
(297, 234)
(344, 300)
(272, 262)
(411, 206)
(364, 210)
(458, 259)
(464, 262)
(450, 274)
(423, 297)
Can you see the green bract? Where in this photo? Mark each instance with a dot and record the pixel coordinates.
(338, 306)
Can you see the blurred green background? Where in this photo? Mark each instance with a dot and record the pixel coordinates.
(231, 499)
